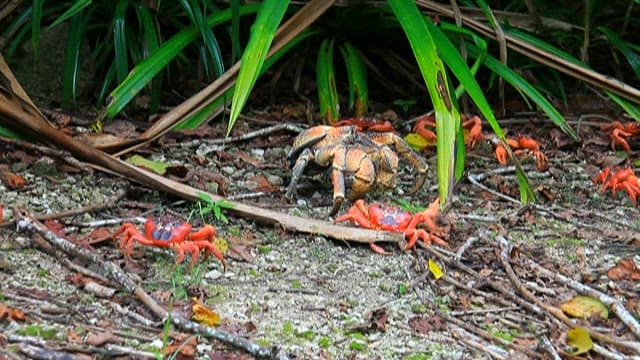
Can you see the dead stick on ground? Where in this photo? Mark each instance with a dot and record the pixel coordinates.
(46, 150)
(27, 223)
(504, 258)
(620, 311)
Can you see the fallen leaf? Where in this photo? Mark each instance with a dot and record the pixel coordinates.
(424, 325)
(579, 339)
(101, 338)
(435, 269)
(55, 227)
(378, 319)
(11, 313)
(203, 314)
(262, 184)
(185, 349)
(625, 269)
(417, 142)
(99, 235)
(585, 307)
(239, 252)
(158, 167)
(11, 180)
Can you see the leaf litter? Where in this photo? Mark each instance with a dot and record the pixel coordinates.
(325, 289)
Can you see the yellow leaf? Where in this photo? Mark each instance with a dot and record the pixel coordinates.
(155, 166)
(585, 307)
(221, 244)
(417, 142)
(579, 339)
(204, 315)
(435, 269)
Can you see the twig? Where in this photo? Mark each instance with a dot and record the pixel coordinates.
(244, 137)
(27, 223)
(473, 341)
(64, 155)
(504, 258)
(610, 301)
(35, 346)
(548, 346)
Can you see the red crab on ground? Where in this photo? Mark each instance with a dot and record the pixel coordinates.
(391, 218)
(367, 124)
(472, 128)
(620, 131)
(522, 146)
(623, 179)
(175, 235)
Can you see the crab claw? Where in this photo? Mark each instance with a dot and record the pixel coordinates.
(426, 217)
(474, 134)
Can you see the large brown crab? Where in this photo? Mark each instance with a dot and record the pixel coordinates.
(359, 161)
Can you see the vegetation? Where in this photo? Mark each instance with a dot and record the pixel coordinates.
(543, 52)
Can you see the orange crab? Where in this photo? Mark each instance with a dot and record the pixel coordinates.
(522, 145)
(363, 161)
(175, 235)
(472, 129)
(391, 218)
(367, 124)
(620, 131)
(624, 179)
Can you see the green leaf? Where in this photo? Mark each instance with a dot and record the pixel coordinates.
(36, 20)
(632, 57)
(150, 43)
(77, 7)
(158, 167)
(77, 30)
(6, 132)
(357, 75)
(120, 40)
(463, 74)
(579, 339)
(144, 72)
(262, 33)
(198, 19)
(328, 102)
(426, 50)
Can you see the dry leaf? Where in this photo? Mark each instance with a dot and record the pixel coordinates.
(11, 180)
(11, 313)
(579, 339)
(204, 315)
(435, 269)
(585, 307)
(625, 269)
(101, 339)
(424, 325)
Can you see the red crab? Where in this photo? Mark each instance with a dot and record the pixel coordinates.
(472, 129)
(522, 145)
(177, 236)
(391, 218)
(367, 124)
(621, 131)
(624, 179)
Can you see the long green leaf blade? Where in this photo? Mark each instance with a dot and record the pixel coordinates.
(120, 40)
(262, 33)
(36, 20)
(357, 75)
(144, 72)
(424, 48)
(632, 58)
(328, 102)
(77, 6)
(464, 75)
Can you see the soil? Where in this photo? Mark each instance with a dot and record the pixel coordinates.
(311, 296)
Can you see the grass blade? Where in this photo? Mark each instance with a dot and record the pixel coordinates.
(427, 55)
(144, 72)
(120, 40)
(328, 102)
(262, 33)
(77, 7)
(236, 47)
(463, 74)
(150, 43)
(357, 75)
(632, 58)
(208, 37)
(72, 59)
(36, 20)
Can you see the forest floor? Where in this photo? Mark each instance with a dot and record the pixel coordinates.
(508, 271)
